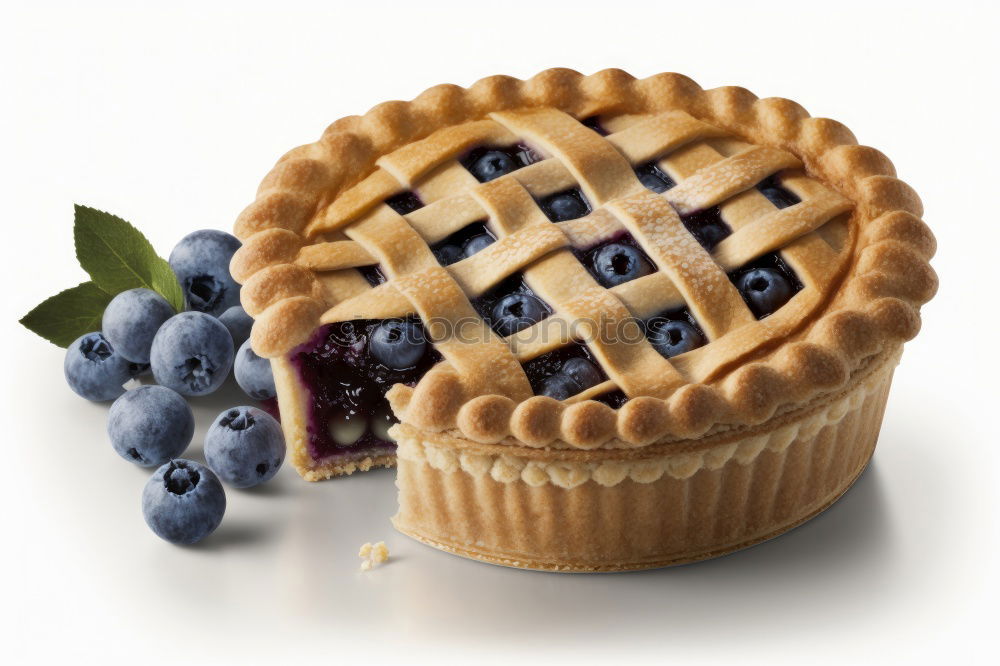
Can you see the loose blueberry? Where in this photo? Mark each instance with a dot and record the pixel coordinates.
(560, 386)
(131, 320)
(397, 344)
(201, 262)
(477, 243)
(253, 373)
(492, 165)
(449, 254)
(765, 290)
(517, 311)
(673, 336)
(183, 502)
(583, 372)
(94, 370)
(245, 446)
(150, 425)
(192, 353)
(238, 323)
(617, 263)
(564, 206)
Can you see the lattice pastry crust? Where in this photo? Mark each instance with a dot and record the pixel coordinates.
(855, 241)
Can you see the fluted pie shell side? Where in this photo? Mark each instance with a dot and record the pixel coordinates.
(623, 509)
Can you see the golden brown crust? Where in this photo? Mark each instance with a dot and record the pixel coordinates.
(645, 507)
(328, 470)
(872, 302)
(611, 463)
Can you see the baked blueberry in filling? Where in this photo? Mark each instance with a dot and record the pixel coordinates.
(566, 205)
(487, 163)
(654, 178)
(347, 368)
(780, 196)
(617, 261)
(594, 123)
(563, 372)
(766, 284)
(511, 306)
(463, 243)
(613, 399)
(404, 203)
(707, 227)
(373, 274)
(674, 332)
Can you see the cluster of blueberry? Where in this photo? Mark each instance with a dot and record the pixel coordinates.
(189, 354)
(350, 365)
(765, 288)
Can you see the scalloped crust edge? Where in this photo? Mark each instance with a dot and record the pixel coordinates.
(876, 308)
(614, 464)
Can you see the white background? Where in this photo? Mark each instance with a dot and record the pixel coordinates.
(171, 118)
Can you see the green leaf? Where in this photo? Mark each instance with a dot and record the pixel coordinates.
(69, 314)
(118, 257)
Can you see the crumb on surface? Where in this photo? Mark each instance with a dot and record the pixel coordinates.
(373, 554)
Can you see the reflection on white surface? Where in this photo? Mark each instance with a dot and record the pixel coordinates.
(284, 563)
(283, 569)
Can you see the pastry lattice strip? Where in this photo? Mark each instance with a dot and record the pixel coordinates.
(710, 169)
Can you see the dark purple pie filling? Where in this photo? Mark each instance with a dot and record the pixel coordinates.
(780, 196)
(563, 372)
(707, 227)
(613, 399)
(654, 178)
(463, 243)
(594, 123)
(404, 203)
(373, 274)
(347, 409)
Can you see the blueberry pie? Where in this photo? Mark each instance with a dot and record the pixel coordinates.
(599, 323)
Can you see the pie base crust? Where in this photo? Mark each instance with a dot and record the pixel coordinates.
(619, 509)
